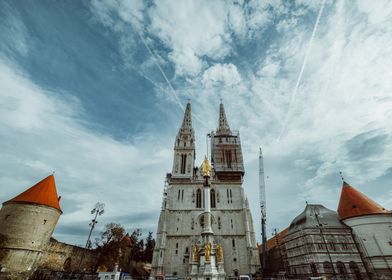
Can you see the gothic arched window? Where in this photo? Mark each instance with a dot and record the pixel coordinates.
(313, 267)
(355, 270)
(213, 203)
(327, 267)
(183, 164)
(341, 270)
(198, 198)
(228, 158)
(67, 264)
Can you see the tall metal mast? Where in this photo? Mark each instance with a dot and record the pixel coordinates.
(263, 209)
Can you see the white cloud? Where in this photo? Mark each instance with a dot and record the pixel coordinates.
(340, 120)
(377, 11)
(41, 134)
(225, 75)
(192, 30)
(129, 11)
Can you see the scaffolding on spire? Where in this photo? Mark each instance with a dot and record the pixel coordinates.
(263, 210)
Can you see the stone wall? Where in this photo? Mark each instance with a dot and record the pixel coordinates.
(24, 233)
(60, 256)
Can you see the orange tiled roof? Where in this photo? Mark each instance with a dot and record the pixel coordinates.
(43, 193)
(271, 243)
(353, 203)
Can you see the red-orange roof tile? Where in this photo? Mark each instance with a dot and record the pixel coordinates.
(43, 193)
(272, 242)
(353, 203)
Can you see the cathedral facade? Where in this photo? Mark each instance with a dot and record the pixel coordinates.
(201, 210)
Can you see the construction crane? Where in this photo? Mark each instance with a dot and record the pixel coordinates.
(263, 210)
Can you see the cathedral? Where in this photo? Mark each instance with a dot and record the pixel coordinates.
(205, 228)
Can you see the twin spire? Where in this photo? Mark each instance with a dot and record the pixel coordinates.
(223, 127)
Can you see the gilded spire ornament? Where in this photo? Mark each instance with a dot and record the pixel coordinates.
(206, 168)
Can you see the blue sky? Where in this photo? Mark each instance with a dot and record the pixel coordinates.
(95, 91)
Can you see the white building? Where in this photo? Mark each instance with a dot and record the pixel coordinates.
(182, 215)
(372, 228)
(319, 244)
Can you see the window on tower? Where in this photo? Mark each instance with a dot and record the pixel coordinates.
(228, 158)
(213, 203)
(198, 198)
(183, 164)
(201, 221)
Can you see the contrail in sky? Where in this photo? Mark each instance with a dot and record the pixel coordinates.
(293, 96)
(167, 80)
(162, 72)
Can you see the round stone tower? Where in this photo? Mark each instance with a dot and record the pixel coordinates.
(26, 224)
(371, 226)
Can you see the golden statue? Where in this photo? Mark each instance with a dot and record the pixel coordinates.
(219, 253)
(206, 168)
(207, 252)
(195, 253)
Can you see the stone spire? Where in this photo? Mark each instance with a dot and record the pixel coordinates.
(187, 121)
(223, 124)
(185, 133)
(184, 147)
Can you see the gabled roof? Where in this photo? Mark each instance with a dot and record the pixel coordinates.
(42, 193)
(353, 203)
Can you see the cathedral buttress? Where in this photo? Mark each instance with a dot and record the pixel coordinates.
(184, 148)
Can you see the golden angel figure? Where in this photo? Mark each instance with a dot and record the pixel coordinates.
(195, 253)
(207, 252)
(219, 253)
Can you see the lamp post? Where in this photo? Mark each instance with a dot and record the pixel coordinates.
(98, 210)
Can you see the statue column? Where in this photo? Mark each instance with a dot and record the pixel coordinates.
(207, 229)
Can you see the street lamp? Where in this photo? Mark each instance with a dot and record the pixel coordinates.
(98, 210)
